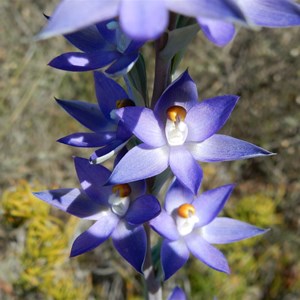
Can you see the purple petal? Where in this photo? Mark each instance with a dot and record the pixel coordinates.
(108, 92)
(225, 148)
(92, 178)
(106, 152)
(130, 241)
(218, 32)
(72, 201)
(95, 235)
(87, 40)
(143, 124)
(72, 15)
(165, 226)
(216, 9)
(122, 65)
(142, 19)
(88, 114)
(226, 230)
(209, 116)
(142, 210)
(138, 188)
(177, 195)
(210, 203)
(134, 46)
(181, 92)
(185, 168)
(272, 13)
(88, 139)
(140, 162)
(173, 256)
(177, 294)
(206, 253)
(81, 62)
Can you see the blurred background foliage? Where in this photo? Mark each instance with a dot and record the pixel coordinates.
(263, 67)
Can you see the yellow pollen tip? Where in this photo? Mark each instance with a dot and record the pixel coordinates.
(123, 190)
(176, 112)
(124, 103)
(186, 210)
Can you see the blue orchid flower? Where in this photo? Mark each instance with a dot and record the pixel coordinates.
(119, 211)
(145, 19)
(178, 133)
(190, 224)
(103, 44)
(177, 294)
(107, 132)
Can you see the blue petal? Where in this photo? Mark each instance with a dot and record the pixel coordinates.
(226, 230)
(143, 124)
(131, 241)
(185, 168)
(218, 32)
(88, 139)
(87, 40)
(173, 256)
(92, 178)
(88, 114)
(165, 226)
(95, 235)
(225, 148)
(122, 65)
(209, 204)
(108, 92)
(84, 61)
(177, 195)
(140, 162)
(72, 15)
(182, 92)
(206, 253)
(177, 294)
(213, 114)
(134, 46)
(106, 152)
(72, 201)
(142, 210)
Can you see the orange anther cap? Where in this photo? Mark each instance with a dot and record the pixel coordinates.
(123, 190)
(176, 112)
(186, 210)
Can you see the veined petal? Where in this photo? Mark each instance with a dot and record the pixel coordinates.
(209, 116)
(218, 32)
(177, 195)
(210, 203)
(206, 253)
(106, 152)
(92, 178)
(185, 168)
(122, 65)
(88, 114)
(83, 61)
(130, 241)
(72, 15)
(143, 19)
(95, 235)
(174, 255)
(226, 230)
(142, 210)
(108, 92)
(224, 148)
(165, 226)
(88, 139)
(181, 92)
(140, 162)
(143, 124)
(272, 13)
(72, 201)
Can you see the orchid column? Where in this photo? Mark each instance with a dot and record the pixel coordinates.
(153, 142)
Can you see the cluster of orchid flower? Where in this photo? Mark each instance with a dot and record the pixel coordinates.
(150, 141)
